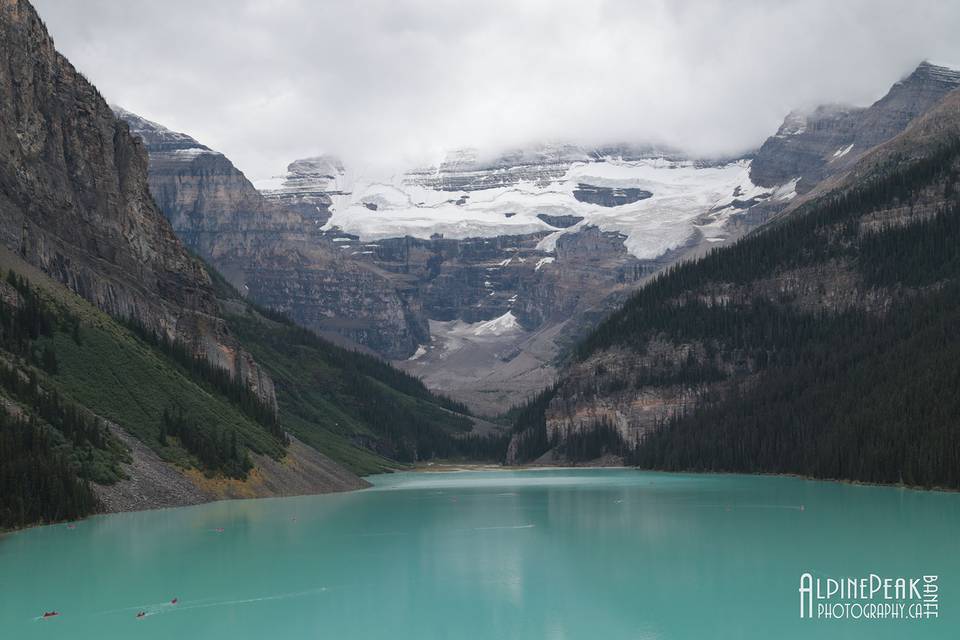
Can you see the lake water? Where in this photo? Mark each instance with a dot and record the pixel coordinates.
(563, 554)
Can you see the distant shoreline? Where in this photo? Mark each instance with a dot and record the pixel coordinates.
(455, 467)
(475, 467)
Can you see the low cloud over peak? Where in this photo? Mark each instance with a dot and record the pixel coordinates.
(397, 82)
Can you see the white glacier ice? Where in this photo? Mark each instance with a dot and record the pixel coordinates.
(687, 198)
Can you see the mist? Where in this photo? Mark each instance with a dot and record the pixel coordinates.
(395, 83)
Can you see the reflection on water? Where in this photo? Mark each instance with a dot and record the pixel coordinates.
(534, 554)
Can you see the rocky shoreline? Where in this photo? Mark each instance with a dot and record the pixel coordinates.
(152, 483)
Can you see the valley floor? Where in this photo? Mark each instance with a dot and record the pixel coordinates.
(488, 372)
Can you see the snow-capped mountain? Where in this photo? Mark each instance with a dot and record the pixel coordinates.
(502, 251)
(657, 202)
(555, 235)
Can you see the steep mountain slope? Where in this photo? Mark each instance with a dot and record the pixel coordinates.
(74, 201)
(128, 420)
(139, 418)
(273, 251)
(818, 345)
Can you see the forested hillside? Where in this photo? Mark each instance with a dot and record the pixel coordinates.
(355, 407)
(66, 368)
(823, 345)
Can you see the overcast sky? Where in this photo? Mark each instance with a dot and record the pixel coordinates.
(395, 82)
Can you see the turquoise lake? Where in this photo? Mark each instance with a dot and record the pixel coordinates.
(563, 554)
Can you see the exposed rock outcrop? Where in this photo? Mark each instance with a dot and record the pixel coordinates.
(560, 222)
(830, 139)
(609, 196)
(74, 201)
(466, 170)
(152, 483)
(307, 186)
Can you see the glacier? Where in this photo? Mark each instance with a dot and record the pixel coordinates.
(679, 199)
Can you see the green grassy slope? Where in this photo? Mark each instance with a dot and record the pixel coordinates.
(111, 370)
(350, 405)
(65, 365)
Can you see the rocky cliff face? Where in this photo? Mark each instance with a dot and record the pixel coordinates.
(830, 139)
(470, 288)
(210, 204)
(271, 249)
(468, 170)
(74, 200)
(465, 170)
(307, 186)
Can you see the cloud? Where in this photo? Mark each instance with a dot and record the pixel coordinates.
(396, 82)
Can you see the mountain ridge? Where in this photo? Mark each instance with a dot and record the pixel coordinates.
(829, 139)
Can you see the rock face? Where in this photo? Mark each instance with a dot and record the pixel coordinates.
(465, 170)
(330, 293)
(210, 204)
(307, 186)
(478, 279)
(830, 139)
(465, 285)
(74, 200)
(560, 222)
(271, 249)
(609, 196)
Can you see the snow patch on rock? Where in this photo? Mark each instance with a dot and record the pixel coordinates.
(507, 323)
(842, 151)
(543, 261)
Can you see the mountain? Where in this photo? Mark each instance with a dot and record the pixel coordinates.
(559, 235)
(555, 235)
(132, 375)
(830, 139)
(820, 344)
(272, 250)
